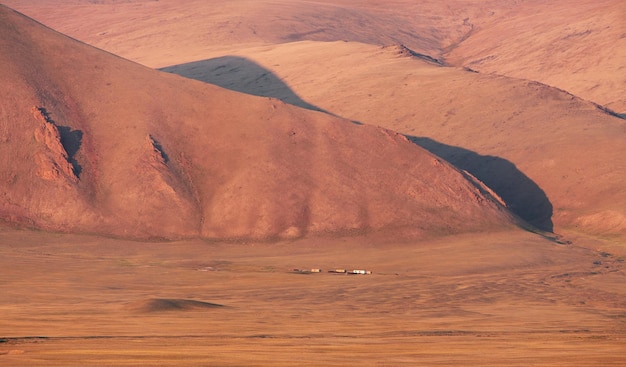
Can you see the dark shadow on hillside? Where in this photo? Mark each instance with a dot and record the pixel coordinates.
(241, 75)
(611, 112)
(521, 194)
(71, 141)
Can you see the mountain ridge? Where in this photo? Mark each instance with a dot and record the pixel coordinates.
(132, 152)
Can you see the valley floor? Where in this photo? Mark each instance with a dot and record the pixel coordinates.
(509, 298)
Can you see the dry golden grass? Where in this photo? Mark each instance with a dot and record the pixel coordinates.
(505, 298)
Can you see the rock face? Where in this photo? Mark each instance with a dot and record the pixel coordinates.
(119, 149)
(52, 159)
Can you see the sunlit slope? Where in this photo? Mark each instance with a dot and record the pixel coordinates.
(575, 46)
(95, 143)
(160, 33)
(554, 158)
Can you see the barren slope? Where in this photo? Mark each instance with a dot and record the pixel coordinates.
(91, 142)
(576, 46)
(530, 143)
(160, 33)
(554, 158)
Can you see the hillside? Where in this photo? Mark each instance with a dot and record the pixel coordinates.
(551, 156)
(577, 47)
(94, 143)
(580, 48)
(526, 124)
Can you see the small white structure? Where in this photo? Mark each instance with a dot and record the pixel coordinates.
(361, 272)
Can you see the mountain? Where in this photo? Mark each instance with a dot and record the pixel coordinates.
(578, 47)
(527, 96)
(94, 143)
(551, 156)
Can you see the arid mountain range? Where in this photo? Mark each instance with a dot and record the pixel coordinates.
(578, 47)
(107, 146)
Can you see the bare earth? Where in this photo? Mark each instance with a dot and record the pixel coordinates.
(578, 46)
(507, 298)
(526, 122)
(104, 145)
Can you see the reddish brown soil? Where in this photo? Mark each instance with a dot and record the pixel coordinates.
(528, 142)
(550, 155)
(578, 46)
(94, 143)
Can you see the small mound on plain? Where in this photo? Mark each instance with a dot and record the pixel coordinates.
(170, 304)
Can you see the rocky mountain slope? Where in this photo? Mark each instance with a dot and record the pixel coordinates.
(94, 143)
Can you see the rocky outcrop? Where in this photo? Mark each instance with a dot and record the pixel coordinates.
(52, 160)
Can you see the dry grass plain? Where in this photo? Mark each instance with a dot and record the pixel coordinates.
(507, 298)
